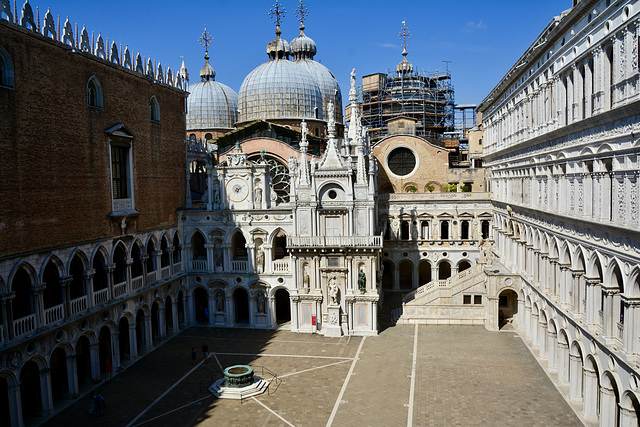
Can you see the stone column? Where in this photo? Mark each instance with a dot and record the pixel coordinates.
(527, 321)
(15, 405)
(542, 339)
(64, 283)
(72, 376)
(552, 355)
(174, 314)
(608, 318)
(190, 316)
(45, 391)
(110, 269)
(231, 310)
(590, 408)
(251, 254)
(628, 417)
(148, 335)
(162, 324)
(210, 261)
(211, 306)
(115, 351)
(575, 378)
(36, 294)
(271, 312)
(563, 363)
(534, 331)
(252, 310)
(133, 341)
(7, 315)
(94, 354)
(608, 407)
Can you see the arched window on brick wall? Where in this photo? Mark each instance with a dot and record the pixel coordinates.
(6, 68)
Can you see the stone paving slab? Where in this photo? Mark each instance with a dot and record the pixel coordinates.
(465, 376)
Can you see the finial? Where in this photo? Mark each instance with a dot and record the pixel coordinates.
(205, 41)
(302, 13)
(404, 35)
(277, 13)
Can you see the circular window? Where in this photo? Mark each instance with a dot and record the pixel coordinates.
(401, 161)
(332, 194)
(405, 254)
(238, 279)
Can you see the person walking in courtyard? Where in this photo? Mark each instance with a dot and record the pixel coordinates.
(100, 404)
(193, 355)
(92, 404)
(205, 353)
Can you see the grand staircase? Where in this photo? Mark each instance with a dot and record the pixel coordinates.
(442, 302)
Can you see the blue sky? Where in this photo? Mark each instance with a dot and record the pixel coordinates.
(481, 38)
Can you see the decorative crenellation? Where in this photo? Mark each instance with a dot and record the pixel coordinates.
(100, 48)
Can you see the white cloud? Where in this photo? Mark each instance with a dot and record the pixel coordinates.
(472, 25)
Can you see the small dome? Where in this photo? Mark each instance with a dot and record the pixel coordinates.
(278, 48)
(207, 72)
(211, 105)
(404, 67)
(279, 89)
(303, 47)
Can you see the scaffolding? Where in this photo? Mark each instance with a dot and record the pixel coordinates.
(428, 98)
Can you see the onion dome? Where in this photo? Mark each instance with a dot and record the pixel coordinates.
(303, 50)
(211, 105)
(303, 47)
(279, 88)
(404, 67)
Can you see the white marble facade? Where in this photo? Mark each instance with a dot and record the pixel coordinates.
(561, 143)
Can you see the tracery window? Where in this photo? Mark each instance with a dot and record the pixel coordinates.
(6, 68)
(279, 175)
(154, 109)
(94, 92)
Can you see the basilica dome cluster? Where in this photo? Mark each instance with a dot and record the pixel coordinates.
(288, 88)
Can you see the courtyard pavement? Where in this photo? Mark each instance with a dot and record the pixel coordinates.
(408, 375)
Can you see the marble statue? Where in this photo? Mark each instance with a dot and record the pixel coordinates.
(260, 259)
(219, 302)
(334, 298)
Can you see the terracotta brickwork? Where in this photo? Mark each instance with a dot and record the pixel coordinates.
(55, 183)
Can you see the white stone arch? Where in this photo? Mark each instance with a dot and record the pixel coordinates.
(81, 256)
(62, 272)
(9, 376)
(146, 309)
(29, 269)
(110, 324)
(460, 261)
(272, 235)
(99, 248)
(131, 319)
(68, 348)
(158, 300)
(579, 252)
(178, 233)
(89, 334)
(605, 148)
(114, 247)
(629, 401)
(259, 286)
(191, 290)
(588, 151)
(609, 274)
(237, 229)
(554, 247)
(633, 282)
(3, 287)
(274, 289)
(564, 254)
(153, 238)
(593, 260)
(39, 360)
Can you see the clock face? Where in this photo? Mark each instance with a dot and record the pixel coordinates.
(237, 189)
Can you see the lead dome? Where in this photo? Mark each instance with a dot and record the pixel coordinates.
(211, 105)
(279, 88)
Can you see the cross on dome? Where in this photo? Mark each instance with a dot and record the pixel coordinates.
(277, 13)
(206, 39)
(404, 35)
(302, 13)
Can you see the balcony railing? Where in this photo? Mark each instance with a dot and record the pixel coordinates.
(333, 241)
(165, 272)
(176, 268)
(53, 314)
(151, 277)
(101, 296)
(281, 266)
(199, 265)
(620, 331)
(24, 325)
(238, 265)
(137, 283)
(78, 305)
(119, 289)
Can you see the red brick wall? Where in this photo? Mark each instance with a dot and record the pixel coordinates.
(55, 186)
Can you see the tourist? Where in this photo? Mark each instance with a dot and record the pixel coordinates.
(100, 404)
(193, 355)
(205, 353)
(92, 404)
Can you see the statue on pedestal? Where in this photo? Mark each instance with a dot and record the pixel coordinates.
(362, 280)
(334, 297)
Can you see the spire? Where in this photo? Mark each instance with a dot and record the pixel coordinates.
(404, 67)
(302, 13)
(354, 121)
(302, 47)
(304, 164)
(207, 72)
(278, 48)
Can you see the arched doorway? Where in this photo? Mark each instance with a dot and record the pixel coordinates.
(507, 307)
(387, 275)
(444, 270)
(104, 350)
(52, 294)
(5, 418)
(283, 306)
(181, 318)
(168, 313)
(241, 303)
(83, 360)
(155, 327)
(424, 272)
(59, 381)
(30, 394)
(123, 339)
(405, 268)
(201, 305)
(140, 330)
